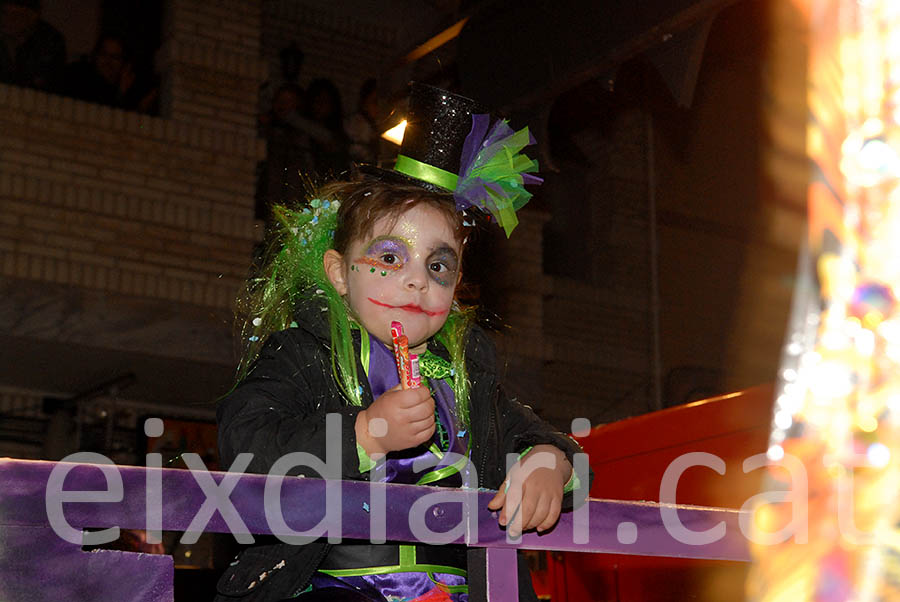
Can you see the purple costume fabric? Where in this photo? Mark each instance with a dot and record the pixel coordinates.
(398, 468)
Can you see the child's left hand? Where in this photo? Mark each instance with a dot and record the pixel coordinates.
(531, 496)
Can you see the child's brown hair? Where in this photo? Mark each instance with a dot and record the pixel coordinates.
(365, 202)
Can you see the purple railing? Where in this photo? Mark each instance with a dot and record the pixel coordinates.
(37, 564)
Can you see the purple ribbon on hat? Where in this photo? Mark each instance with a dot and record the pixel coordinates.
(493, 172)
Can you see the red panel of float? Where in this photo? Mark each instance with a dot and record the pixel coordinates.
(630, 459)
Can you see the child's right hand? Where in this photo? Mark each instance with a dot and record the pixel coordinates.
(407, 414)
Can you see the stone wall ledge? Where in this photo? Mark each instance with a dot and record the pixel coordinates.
(61, 113)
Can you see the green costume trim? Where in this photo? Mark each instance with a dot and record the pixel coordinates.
(450, 589)
(398, 568)
(364, 349)
(434, 366)
(407, 555)
(446, 471)
(407, 564)
(366, 463)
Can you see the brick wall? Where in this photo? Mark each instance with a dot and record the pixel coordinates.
(729, 178)
(211, 59)
(730, 224)
(142, 224)
(100, 198)
(517, 284)
(124, 238)
(598, 327)
(339, 43)
(159, 207)
(351, 41)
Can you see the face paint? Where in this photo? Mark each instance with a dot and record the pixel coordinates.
(417, 260)
(377, 264)
(443, 266)
(410, 308)
(386, 253)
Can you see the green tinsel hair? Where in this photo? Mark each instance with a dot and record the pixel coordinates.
(294, 273)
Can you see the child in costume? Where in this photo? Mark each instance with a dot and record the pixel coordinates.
(360, 256)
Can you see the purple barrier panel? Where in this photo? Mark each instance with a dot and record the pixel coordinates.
(244, 503)
(354, 509)
(640, 528)
(35, 564)
(502, 575)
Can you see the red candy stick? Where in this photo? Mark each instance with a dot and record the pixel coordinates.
(407, 365)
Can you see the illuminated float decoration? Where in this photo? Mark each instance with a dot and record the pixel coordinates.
(826, 528)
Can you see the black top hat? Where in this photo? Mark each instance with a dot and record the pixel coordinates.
(445, 130)
(437, 124)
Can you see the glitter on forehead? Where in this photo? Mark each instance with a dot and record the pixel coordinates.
(410, 232)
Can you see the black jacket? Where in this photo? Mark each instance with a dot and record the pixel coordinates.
(280, 407)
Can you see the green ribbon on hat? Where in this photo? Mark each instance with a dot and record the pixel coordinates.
(427, 173)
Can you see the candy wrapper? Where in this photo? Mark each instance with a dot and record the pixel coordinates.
(407, 364)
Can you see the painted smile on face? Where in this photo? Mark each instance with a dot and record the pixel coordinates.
(408, 272)
(411, 308)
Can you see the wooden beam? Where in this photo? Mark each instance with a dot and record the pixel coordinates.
(432, 44)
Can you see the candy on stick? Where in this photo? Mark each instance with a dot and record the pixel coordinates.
(407, 365)
(396, 333)
(401, 353)
(415, 378)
